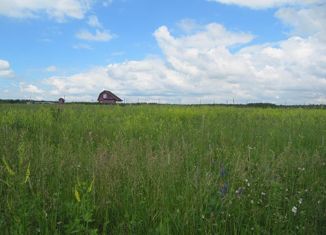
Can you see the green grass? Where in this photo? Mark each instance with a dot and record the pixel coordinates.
(79, 169)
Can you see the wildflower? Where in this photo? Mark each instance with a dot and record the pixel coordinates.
(239, 191)
(263, 193)
(300, 201)
(294, 210)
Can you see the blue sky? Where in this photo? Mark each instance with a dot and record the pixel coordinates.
(169, 51)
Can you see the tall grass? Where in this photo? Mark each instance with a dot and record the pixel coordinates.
(161, 170)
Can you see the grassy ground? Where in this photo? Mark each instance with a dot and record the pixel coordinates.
(161, 170)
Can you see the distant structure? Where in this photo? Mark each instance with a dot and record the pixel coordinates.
(107, 97)
(61, 101)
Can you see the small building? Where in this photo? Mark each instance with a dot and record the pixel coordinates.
(61, 100)
(107, 97)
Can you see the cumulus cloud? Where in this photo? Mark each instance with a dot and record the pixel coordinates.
(58, 9)
(5, 70)
(201, 66)
(29, 88)
(192, 54)
(260, 4)
(149, 77)
(306, 21)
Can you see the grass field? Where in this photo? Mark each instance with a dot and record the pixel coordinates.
(162, 170)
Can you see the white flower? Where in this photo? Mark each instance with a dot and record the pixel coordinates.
(300, 201)
(294, 209)
(263, 194)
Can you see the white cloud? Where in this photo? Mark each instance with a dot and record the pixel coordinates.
(51, 69)
(306, 21)
(147, 77)
(94, 22)
(29, 88)
(188, 25)
(260, 4)
(5, 70)
(58, 9)
(212, 35)
(200, 66)
(99, 35)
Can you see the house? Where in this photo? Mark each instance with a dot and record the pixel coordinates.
(61, 101)
(107, 97)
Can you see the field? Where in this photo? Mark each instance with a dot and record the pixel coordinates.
(83, 169)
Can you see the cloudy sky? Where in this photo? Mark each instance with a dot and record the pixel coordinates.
(176, 51)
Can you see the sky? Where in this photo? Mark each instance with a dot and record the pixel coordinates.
(167, 51)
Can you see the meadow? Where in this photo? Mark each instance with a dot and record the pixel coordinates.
(160, 169)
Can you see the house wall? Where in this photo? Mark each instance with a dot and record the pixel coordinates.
(107, 101)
